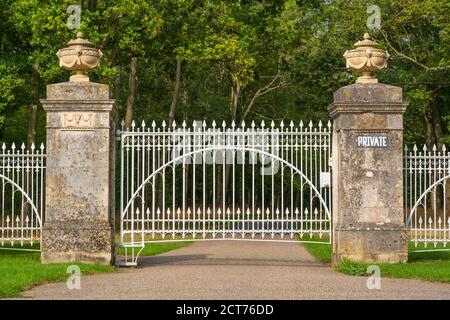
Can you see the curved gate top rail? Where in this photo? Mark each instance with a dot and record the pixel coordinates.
(203, 183)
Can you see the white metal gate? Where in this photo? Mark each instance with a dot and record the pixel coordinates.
(224, 183)
(427, 196)
(22, 176)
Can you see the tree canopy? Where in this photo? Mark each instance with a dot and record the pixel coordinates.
(234, 60)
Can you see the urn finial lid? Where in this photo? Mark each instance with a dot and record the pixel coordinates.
(79, 56)
(366, 58)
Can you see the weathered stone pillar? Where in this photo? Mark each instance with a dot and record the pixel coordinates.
(79, 194)
(367, 162)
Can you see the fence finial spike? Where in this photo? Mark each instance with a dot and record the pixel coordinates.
(184, 124)
(424, 148)
(133, 124)
(33, 146)
(253, 124)
(291, 124)
(214, 123)
(272, 124)
(153, 123)
(329, 124)
(405, 148)
(434, 147)
(320, 123)
(3, 146)
(301, 124)
(444, 148)
(224, 124)
(194, 124)
(204, 124)
(281, 124)
(415, 148)
(310, 123)
(13, 146)
(262, 124)
(143, 124)
(163, 124)
(233, 124)
(22, 146)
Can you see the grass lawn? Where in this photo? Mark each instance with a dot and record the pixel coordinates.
(20, 270)
(154, 248)
(431, 266)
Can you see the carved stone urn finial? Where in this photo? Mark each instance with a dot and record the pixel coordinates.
(79, 56)
(366, 58)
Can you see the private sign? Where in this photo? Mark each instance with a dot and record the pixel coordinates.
(372, 141)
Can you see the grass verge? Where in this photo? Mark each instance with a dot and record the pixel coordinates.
(155, 248)
(20, 270)
(430, 265)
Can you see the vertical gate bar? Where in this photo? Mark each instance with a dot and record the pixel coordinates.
(193, 162)
(253, 176)
(204, 176)
(215, 133)
(242, 145)
(272, 164)
(263, 161)
(122, 137)
(163, 193)
(233, 158)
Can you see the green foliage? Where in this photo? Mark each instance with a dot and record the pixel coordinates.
(352, 269)
(428, 265)
(224, 44)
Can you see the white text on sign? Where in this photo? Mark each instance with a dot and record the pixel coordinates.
(372, 141)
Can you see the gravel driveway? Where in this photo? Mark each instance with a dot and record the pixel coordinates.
(236, 270)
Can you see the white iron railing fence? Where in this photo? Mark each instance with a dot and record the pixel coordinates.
(22, 176)
(427, 195)
(225, 182)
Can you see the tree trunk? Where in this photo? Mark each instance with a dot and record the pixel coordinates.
(32, 119)
(430, 137)
(131, 93)
(176, 91)
(437, 122)
(235, 92)
(92, 5)
(118, 84)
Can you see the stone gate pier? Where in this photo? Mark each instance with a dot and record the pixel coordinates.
(367, 162)
(79, 192)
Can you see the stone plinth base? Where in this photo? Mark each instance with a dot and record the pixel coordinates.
(371, 244)
(77, 243)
